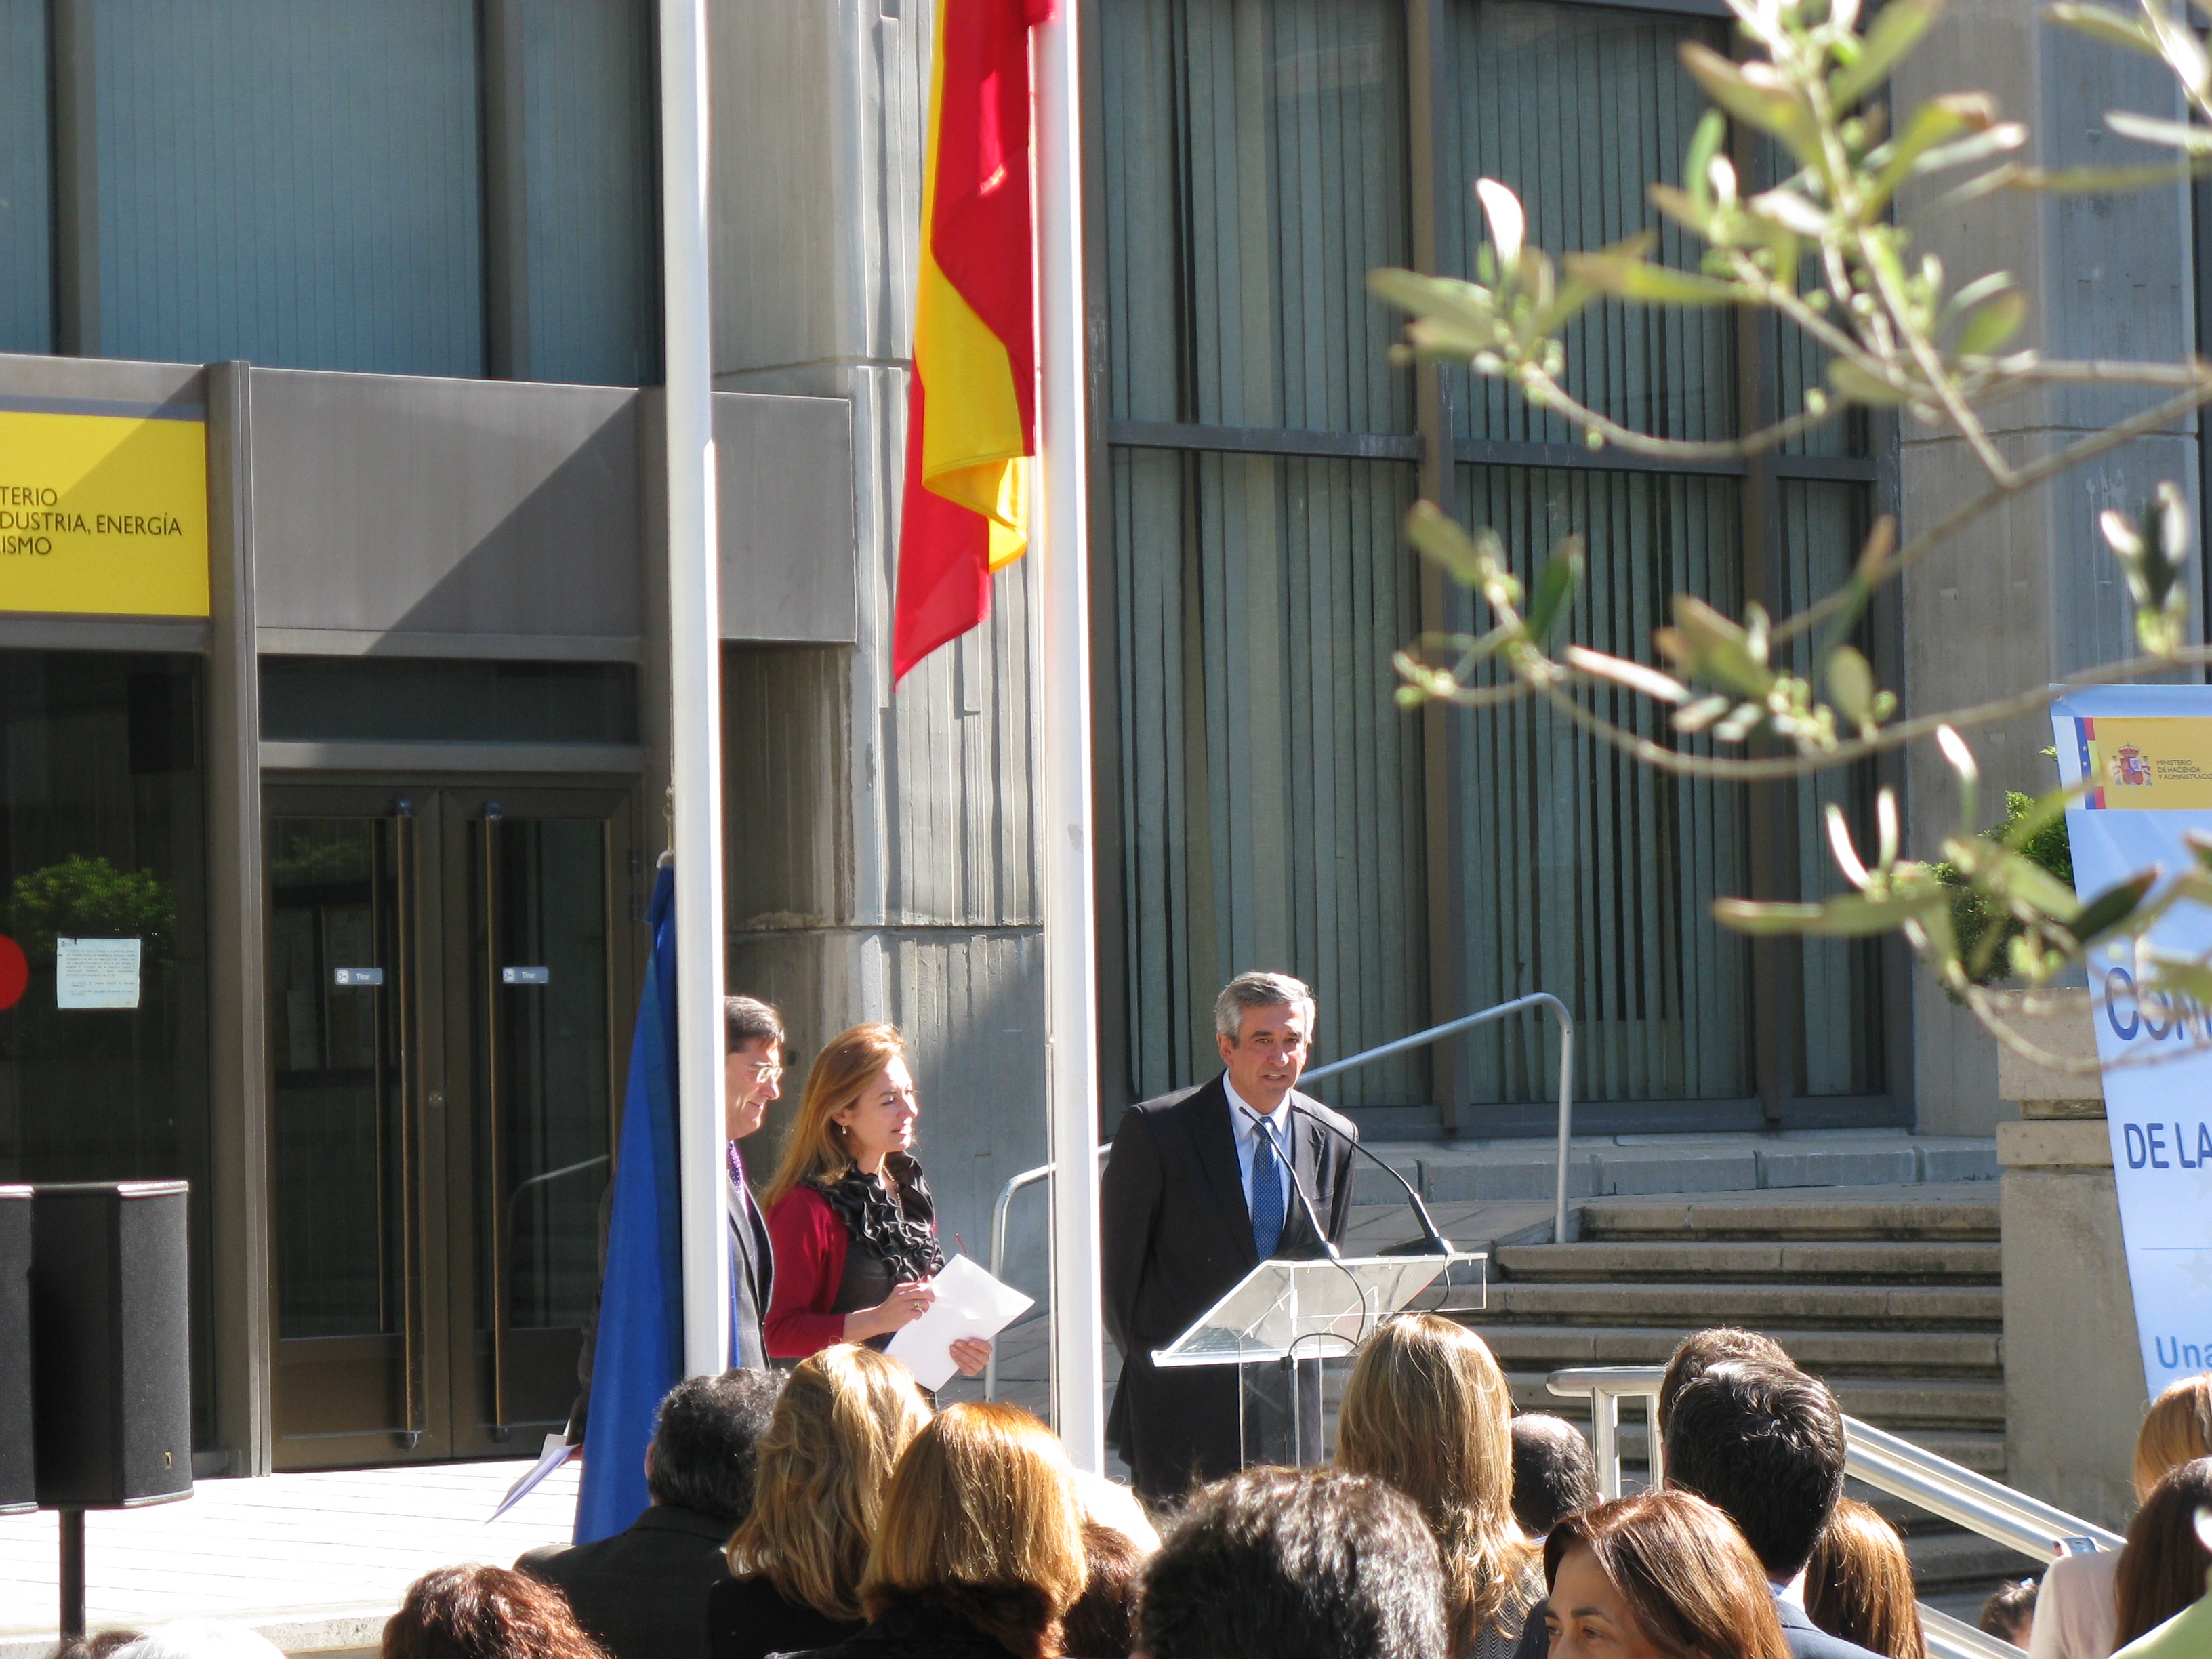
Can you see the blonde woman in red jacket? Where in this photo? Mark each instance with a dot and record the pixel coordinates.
(848, 1213)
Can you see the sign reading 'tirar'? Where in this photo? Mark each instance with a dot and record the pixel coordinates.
(103, 507)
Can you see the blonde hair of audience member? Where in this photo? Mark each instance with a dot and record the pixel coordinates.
(1858, 1585)
(840, 1424)
(1662, 1576)
(2163, 1568)
(815, 1154)
(1428, 1410)
(2176, 1429)
(982, 1519)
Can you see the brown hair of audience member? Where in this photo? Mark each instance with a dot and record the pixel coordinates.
(844, 1416)
(98, 1645)
(2162, 1569)
(1693, 1585)
(485, 1613)
(981, 1521)
(1700, 1351)
(815, 1152)
(1427, 1410)
(1102, 1622)
(1858, 1585)
(2176, 1429)
(2009, 1613)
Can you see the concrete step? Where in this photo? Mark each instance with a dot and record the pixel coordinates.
(1777, 1307)
(1951, 1561)
(1964, 1355)
(1892, 1261)
(1897, 1403)
(1957, 1210)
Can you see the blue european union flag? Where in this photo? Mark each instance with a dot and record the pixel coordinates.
(641, 1345)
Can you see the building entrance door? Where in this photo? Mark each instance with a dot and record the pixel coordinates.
(448, 971)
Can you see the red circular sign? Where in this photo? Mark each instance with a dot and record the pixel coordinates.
(15, 972)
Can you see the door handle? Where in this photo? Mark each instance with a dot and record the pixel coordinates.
(405, 855)
(502, 1266)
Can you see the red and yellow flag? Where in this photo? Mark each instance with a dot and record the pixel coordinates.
(971, 409)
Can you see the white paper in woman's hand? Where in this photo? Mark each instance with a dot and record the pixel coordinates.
(969, 1304)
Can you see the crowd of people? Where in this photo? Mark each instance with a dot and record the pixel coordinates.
(813, 1501)
(833, 1512)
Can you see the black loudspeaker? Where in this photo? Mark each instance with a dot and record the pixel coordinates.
(17, 1488)
(111, 1371)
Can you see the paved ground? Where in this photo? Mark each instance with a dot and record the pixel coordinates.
(316, 1561)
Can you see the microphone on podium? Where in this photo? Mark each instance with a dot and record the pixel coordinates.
(1431, 1243)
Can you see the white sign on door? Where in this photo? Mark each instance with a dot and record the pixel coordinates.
(96, 973)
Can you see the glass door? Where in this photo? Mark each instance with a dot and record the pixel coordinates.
(449, 969)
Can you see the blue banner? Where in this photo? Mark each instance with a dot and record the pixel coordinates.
(641, 1342)
(2143, 758)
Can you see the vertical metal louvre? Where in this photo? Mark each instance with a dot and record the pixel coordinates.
(1255, 158)
(26, 290)
(294, 181)
(588, 187)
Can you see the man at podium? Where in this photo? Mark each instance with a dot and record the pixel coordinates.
(1201, 1187)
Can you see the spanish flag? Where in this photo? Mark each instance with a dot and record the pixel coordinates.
(972, 407)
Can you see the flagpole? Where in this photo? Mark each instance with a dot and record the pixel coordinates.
(1071, 989)
(694, 614)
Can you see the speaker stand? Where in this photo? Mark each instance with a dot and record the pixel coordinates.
(72, 1573)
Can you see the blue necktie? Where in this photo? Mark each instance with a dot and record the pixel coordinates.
(1266, 1191)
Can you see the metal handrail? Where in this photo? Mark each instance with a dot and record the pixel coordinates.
(1026, 1178)
(1366, 1057)
(1889, 1463)
(1467, 1022)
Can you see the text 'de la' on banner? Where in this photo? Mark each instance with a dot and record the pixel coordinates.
(2143, 756)
(103, 507)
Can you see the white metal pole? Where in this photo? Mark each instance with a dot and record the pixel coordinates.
(1070, 999)
(694, 614)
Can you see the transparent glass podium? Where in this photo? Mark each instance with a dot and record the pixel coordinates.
(1281, 1319)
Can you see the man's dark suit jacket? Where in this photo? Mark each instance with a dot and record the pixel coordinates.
(1808, 1641)
(642, 1593)
(752, 1282)
(1176, 1235)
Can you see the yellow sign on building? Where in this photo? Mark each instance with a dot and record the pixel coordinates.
(103, 508)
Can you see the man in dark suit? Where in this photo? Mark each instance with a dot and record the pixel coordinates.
(752, 1043)
(642, 1593)
(1201, 1187)
(1764, 1442)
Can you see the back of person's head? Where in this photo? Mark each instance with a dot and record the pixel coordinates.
(1427, 1410)
(184, 1638)
(1858, 1585)
(2163, 1570)
(2009, 1613)
(1102, 1622)
(1687, 1579)
(843, 1419)
(98, 1644)
(981, 1520)
(1700, 1350)
(1110, 1504)
(706, 1443)
(1554, 1473)
(485, 1613)
(1295, 1564)
(2176, 1429)
(1766, 1443)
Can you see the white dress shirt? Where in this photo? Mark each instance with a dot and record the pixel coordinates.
(1244, 1122)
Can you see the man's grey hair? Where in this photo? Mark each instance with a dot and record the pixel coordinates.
(748, 1019)
(1259, 990)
